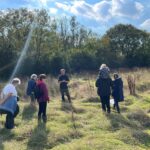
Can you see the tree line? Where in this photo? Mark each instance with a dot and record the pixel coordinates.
(65, 43)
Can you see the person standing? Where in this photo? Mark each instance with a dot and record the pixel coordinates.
(8, 102)
(104, 71)
(63, 81)
(117, 91)
(104, 86)
(31, 89)
(42, 97)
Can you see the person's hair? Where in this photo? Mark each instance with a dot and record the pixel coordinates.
(103, 65)
(116, 75)
(62, 70)
(33, 76)
(16, 81)
(42, 76)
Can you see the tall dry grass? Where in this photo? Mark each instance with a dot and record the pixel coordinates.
(82, 85)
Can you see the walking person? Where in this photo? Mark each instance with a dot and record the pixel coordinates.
(8, 102)
(42, 97)
(104, 86)
(31, 89)
(63, 81)
(117, 91)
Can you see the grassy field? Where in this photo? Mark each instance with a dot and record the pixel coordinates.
(82, 125)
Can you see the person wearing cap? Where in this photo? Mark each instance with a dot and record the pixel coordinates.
(31, 88)
(8, 102)
(117, 91)
(63, 80)
(42, 98)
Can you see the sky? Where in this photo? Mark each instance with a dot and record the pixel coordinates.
(98, 15)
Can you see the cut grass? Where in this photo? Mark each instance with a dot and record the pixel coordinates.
(84, 127)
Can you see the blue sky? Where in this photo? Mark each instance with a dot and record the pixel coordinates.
(98, 15)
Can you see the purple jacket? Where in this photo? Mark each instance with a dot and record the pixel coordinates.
(44, 90)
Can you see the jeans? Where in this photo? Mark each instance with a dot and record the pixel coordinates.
(32, 97)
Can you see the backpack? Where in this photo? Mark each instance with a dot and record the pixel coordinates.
(38, 92)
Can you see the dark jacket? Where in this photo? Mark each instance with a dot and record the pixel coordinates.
(44, 97)
(118, 90)
(31, 87)
(63, 85)
(103, 86)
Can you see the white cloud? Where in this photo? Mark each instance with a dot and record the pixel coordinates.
(146, 25)
(53, 10)
(98, 11)
(63, 6)
(103, 10)
(39, 2)
(127, 8)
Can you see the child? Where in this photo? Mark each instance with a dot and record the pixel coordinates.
(43, 98)
(117, 91)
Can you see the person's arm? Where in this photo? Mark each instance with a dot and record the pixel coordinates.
(45, 91)
(59, 80)
(97, 83)
(66, 80)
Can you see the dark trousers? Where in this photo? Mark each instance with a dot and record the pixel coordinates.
(32, 97)
(116, 105)
(42, 109)
(105, 100)
(9, 124)
(63, 93)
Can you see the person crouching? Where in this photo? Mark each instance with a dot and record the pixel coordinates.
(8, 102)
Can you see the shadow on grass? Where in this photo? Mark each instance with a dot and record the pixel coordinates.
(118, 121)
(140, 117)
(92, 100)
(136, 129)
(141, 137)
(38, 139)
(68, 107)
(5, 135)
(28, 112)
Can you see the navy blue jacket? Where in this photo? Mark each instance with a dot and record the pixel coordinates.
(118, 90)
(31, 87)
(103, 86)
